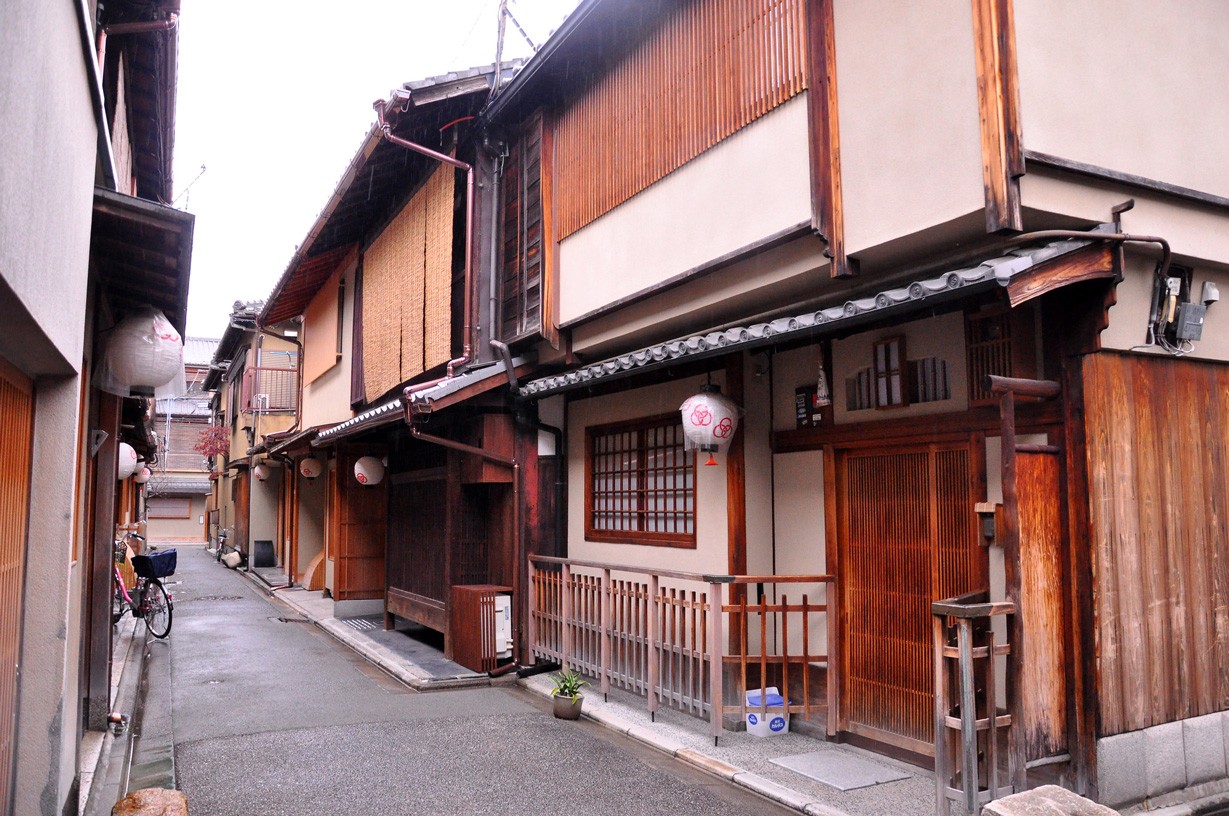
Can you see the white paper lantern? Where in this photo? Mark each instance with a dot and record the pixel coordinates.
(709, 422)
(261, 472)
(143, 352)
(369, 470)
(125, 461)
(310, 467)
(142, 475)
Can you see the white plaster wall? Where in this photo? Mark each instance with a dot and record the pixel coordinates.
(312, 496)
(48, 707)
(909, 129)
(48, 150)
(1198, 234)
(941, 337)
(752, 185)
(326, 400)
(1130, 85)
(712, 536)
(798, 510)
(263, 509)
(1128, 318)
(189, 529)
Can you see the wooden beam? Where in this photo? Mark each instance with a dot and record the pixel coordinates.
(999, 112)
(1090, 263)
(827, 209)
(736, 491)
(100, 560)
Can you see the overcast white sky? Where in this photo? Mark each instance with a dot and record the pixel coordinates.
(275, 98)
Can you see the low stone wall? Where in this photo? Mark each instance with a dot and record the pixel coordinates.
(1162, 759)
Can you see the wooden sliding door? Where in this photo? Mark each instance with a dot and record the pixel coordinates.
(907, 538)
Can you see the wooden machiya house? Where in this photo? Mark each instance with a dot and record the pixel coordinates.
(408, 362)
(958, 265)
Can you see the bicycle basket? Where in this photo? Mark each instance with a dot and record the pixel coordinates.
(155, 565)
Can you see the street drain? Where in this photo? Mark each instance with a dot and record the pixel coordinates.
(293, 620)
(213, 598)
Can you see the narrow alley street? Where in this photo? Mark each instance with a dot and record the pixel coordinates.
(271, 715)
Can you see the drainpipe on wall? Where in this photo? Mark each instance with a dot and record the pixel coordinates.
(383, 108)
(169, 24)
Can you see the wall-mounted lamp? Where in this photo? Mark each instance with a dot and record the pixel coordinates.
(990, 519)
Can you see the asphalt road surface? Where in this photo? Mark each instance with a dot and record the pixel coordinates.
(271, 716)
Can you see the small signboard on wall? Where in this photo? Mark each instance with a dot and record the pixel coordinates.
(808, 413)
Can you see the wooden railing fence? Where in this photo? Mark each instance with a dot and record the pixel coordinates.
(663, 635)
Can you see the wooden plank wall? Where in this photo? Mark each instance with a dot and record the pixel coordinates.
(363, 518)
(1158, 507)
(713, 67)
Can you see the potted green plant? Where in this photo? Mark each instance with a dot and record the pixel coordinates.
(567, 696)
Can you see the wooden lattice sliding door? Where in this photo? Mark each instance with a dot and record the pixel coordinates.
(16, 417)
(908, 537)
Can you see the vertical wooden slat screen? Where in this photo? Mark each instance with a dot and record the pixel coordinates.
(521, 295)
(1158, 499)
(908, 539)
(16, 417)
(710, 69)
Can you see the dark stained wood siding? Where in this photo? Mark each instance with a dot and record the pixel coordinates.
(417, 535)
(1158, 503)
(362, 510)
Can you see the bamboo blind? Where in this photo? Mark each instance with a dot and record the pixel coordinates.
(16, 415)
(437, 341)
(712, 68)
(407, 291)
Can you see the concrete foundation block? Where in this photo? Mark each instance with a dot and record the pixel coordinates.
(1203, 742)
(1048, 800)
(1121, 777)
(1164, 758)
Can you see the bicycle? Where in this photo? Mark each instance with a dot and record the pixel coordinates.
(223, 535)
(149, 599)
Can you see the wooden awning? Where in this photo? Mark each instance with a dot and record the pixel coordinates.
(142, 252)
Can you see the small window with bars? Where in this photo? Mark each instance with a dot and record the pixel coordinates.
(640, 484)
(890, 388)
(989, 350)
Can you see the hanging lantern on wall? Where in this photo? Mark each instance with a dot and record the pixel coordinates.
(310, 467)
(260, 472)
(125, 461)
(143, 356)
(709, 421)
(142, 475)
(369, 470)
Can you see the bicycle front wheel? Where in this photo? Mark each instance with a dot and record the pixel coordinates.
(118, 605)
(157, 608)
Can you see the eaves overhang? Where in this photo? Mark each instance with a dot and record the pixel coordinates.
(991, 273)
(384, 414)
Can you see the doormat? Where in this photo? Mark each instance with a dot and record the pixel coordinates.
(840, 770)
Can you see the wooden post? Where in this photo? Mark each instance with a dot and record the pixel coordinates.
(565, 614)
(968, 716)
(830, 679)
(654, 644)
(942, 769)
(535, 604)
(716, 660)
(605, 650)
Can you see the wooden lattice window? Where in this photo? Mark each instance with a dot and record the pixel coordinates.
(640, 483)
(521, 264)
(891, 390)
(989, 350)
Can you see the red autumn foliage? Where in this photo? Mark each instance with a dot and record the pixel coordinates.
(214, 441)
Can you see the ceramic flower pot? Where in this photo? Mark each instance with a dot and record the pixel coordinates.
(568, 708)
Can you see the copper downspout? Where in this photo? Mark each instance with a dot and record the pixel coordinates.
(382, 108)
(168, 24)
(1085, 235)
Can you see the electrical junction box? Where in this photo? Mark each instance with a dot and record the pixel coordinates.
(1189, 322)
